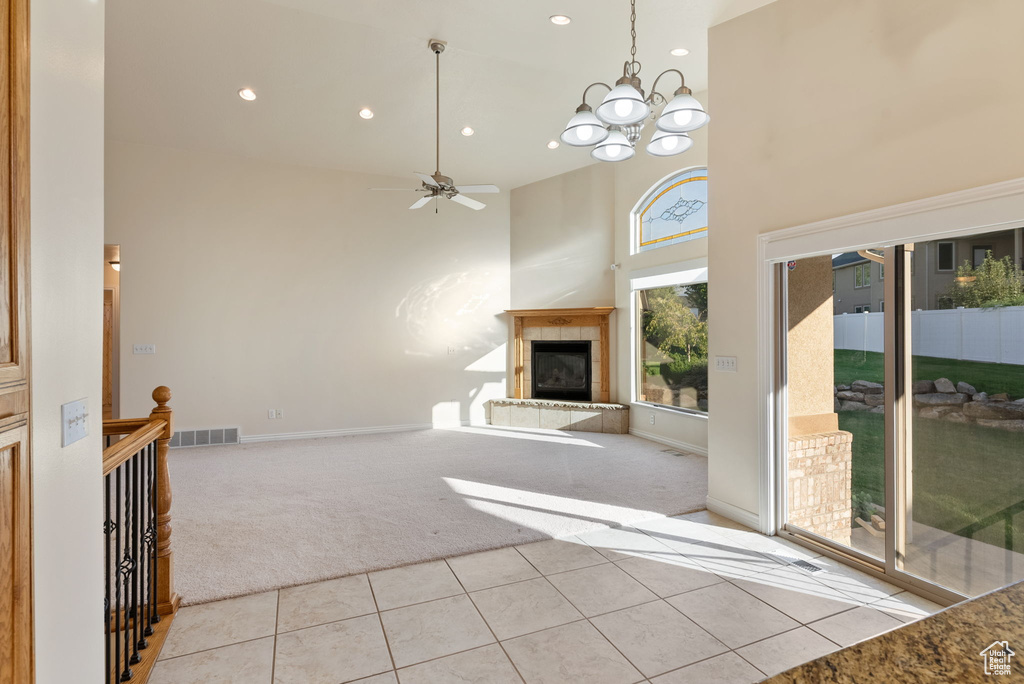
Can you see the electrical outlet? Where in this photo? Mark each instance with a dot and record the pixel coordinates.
(652, 419)
(271, 414)
(451, 350)
(725, 364)
(144, 349)
(280, 413)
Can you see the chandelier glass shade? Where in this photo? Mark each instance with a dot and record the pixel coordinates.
(665, 144)
(615, 127)
(584, 129)
(623, 105)
(616, 147)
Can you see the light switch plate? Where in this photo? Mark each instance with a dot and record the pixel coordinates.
(74, 421)
(144, 349)
(726, 364)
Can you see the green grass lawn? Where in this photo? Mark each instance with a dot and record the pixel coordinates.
(962, 473)
(993, 378)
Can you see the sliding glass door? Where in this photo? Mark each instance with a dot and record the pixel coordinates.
(902, 386)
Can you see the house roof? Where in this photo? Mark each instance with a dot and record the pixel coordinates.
(846, 259)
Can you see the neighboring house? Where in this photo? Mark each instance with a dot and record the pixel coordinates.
(859, 283)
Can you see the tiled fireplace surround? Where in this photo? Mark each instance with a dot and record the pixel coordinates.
(522, 410)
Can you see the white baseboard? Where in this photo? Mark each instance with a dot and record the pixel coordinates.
(285, 436)
(735, 513)
(668, 441)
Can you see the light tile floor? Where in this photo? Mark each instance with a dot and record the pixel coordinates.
(695, 598)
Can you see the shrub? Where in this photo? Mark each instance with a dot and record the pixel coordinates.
(995, 283)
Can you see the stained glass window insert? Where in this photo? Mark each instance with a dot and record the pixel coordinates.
(675, 211)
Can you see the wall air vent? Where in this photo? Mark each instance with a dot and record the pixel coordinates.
(211, 437)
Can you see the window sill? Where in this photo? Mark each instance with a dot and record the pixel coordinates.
(672, 409)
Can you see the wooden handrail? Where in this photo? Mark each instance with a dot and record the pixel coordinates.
(123, 426)
(119, 452)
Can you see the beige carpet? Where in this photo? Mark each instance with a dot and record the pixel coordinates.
(256, 517)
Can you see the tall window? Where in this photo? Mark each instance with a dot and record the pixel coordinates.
(672, 346)
(862, 275)
(946, 256)
(674, 211)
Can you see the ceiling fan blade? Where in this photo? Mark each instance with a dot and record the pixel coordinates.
(477, 189)
(421, 201)
(428, 180)
(466, 201)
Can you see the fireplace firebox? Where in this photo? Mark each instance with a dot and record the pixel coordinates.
(561, 370)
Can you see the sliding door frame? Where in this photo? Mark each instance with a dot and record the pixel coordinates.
(988, 208)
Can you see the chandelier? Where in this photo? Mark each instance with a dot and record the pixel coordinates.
(615, 127)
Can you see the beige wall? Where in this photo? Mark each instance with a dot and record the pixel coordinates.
(272, 286)
(809, 345)
(563, 240)
(824, 109)
(66, 322)
(568, 230)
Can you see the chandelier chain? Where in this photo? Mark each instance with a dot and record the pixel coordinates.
(632, 28)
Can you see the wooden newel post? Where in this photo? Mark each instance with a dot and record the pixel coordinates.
(167, 600)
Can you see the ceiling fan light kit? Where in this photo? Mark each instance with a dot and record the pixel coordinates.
(437, 185)
(616, 126)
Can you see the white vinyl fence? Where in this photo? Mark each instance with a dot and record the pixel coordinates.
(991, 335)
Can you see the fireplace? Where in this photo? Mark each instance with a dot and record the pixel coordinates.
(561, 370)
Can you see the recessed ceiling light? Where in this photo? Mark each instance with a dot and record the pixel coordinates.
(247, 94)
(552, 144)
(467, 131)
(679, 52)
(366, 113)
(560, 19)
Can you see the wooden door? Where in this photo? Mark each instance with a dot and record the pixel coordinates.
(16, 648)
(108, 354)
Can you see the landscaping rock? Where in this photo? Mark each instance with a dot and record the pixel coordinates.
(850, 396)
(935, 411)
(878, 409)
(946, 386)
(837, 405)
(874, 399)
(867, 387)
(923, 387)
(1002, 396)
(1008, 425)
(994, 411)
(1019, 401)
(854, 406)
(842, 388)
(939, 399)
(964, 388)
(956, 417)
(980, 396)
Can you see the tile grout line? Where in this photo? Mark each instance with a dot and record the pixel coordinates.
(380, 621)
(643, 677)
(489, 628)
(277, 618)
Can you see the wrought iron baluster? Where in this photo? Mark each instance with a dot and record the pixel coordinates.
(108, 530)
(116, 570)
(137, 639)
(127, 564)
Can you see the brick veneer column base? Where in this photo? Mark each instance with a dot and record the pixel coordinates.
(819, 484)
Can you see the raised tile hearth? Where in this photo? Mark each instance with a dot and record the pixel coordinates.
(560, 415)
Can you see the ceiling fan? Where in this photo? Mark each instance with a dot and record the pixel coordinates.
(438, 185)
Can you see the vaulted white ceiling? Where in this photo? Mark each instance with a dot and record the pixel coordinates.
(174, 67)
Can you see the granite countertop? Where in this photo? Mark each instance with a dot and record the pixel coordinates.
(945, 647)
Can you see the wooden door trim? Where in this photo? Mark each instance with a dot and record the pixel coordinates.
(15, 386)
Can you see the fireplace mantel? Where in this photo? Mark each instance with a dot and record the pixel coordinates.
(560, 318)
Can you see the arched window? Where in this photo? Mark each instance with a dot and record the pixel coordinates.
(675, 210)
